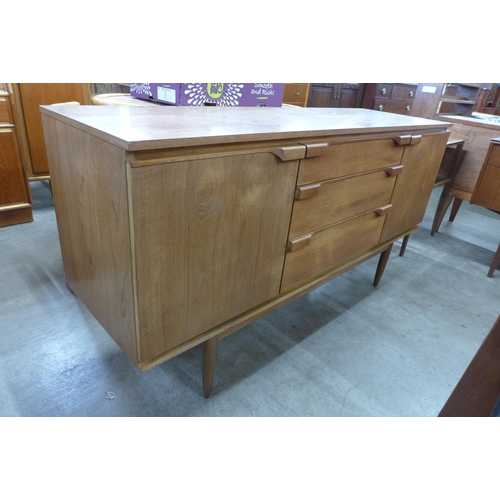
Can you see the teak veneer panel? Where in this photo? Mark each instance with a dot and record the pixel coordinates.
(89, 186)
(206, 253)
(420, 167)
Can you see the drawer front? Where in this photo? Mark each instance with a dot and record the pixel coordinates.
(340, 160)
(383, 90)
(295, 93)
(401, 107)
(330, 248)
(322, 204)
(403, 92)
(5, 116)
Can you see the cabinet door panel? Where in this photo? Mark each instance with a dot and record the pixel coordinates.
(487, 190)
(5, 116)
(12, 183)
(415, 183)
(320, 97)
(32, 96)
(210, 239)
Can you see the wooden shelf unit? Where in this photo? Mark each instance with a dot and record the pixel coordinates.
(459, 98)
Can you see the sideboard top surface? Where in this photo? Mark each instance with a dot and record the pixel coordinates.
(145, 127)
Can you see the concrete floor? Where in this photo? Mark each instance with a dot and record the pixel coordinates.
(345, 349)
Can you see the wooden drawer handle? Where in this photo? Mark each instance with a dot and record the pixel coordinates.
(315, 149)
(289, 153)
(304, 192)
(383, 210)
(407, 140)
(298, 243)
(393, 171)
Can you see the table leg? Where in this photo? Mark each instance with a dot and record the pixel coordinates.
(442, 207)
(454, 209)
(403, 245)
(382, 262)
(209, 357)
(494, 264)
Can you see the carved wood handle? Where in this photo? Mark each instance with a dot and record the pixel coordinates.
(303, 192)
(288, 153)
(298, 243)
(393, 171)
(407, 140)
(315, 149)
(383, 210)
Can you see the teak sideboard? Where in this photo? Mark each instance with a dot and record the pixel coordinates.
(181, 225)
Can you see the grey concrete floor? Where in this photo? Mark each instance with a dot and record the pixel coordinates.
(346, 349)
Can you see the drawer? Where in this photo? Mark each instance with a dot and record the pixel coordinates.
(383, 90)
(403, 92)
(329, 248)
(5, 116)
(295, 93)
(325, 203)
(401, 107)
(341, 160)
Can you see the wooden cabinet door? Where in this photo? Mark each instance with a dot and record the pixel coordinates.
(210, 241)
(320, 97)
(15, 198)
(415, 183)
(487, 190)
(33, 95)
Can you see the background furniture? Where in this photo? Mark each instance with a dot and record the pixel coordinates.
(296, 94)
(390, 97)
(487, 190)
(335, 95)
(460, 98)
(15, 196)
(30, 132)
(478, 390)
(204, 220)
(476, 134)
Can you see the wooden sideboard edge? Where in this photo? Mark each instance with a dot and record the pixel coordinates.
(248, 317)
(344, 134)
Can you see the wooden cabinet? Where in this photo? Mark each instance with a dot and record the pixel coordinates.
(390, 97)
(460, 98)
(15, 195)
(179, 226)
(296, 94)
(335, 95)
(30, 97)
(487, 189)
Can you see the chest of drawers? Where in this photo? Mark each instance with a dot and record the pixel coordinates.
(179, 226)
(389, 97)
(15, 196)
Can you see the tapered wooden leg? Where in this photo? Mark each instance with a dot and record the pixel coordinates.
(442, 207)
(209, 356)
(382, 262)
(403, 245)
(454, 208)
(495, 262)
